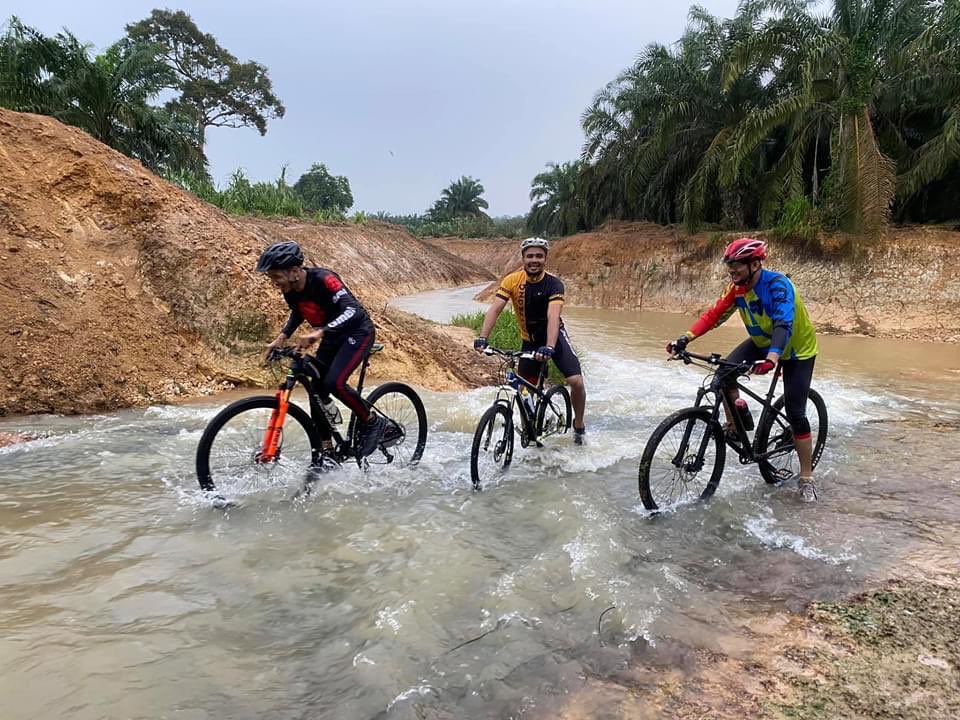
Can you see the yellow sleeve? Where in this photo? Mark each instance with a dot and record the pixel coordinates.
(508, 286)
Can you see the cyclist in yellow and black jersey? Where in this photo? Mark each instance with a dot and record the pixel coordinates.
(537, 298)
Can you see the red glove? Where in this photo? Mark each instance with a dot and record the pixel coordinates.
(762, 367)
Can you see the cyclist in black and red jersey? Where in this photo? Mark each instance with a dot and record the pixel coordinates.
(340, 324)
(537, 298)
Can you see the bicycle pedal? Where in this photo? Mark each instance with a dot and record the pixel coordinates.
(783, 474)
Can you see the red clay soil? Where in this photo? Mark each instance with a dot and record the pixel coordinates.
(907, 285)
(118, 288)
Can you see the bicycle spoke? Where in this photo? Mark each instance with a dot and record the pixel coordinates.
(233, 452)
(674, 472)
(492, 446)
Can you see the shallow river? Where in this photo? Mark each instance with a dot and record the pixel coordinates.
(404, 594)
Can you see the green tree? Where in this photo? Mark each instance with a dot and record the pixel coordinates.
(838, 75)
(929, 105)
(107, 95)
(557, 205)
(460, 198)
(319, 190)
(215, 88)
(655, 134)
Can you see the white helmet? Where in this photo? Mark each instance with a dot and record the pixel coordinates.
(534, 242)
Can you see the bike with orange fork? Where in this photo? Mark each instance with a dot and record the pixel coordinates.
(271, 438)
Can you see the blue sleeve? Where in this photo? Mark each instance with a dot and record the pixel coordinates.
(782, 307)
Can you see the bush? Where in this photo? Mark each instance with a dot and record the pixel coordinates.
(242, 197)
(470, 226)
(505, 335)
(799, 222)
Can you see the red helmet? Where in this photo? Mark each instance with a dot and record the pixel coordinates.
(745, 249)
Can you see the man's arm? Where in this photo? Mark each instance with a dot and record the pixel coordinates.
(782, 310)
(553, 322)
(716, 315)
(293, 322)
(493, 312)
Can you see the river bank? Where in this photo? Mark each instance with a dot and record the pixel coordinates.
(906, 286)
(124, 290)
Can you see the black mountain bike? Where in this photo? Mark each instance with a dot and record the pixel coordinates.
(684, 457)
(542, 413)
(261, 438)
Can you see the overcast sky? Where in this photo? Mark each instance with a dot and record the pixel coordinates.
(403, 96)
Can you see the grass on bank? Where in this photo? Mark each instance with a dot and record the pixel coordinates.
(505, 335)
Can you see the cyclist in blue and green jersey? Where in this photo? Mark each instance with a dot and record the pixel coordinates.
(780, 332)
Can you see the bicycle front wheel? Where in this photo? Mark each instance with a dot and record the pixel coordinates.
(406, 434)
(230, 447)
(553, 412)
(682, 461)
(492, 448)
(774, 439)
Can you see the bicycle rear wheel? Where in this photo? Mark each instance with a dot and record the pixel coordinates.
(775, 437)
(553, 412)
(406, 434)
(492, 448)
(229, 447)
(682, 461)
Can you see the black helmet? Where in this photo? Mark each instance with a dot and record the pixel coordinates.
(280, 256)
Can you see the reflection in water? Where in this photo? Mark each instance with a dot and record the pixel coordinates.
(399, 592)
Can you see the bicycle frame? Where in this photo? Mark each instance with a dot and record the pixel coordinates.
(302, 371)
(508, 393)
(717, 389)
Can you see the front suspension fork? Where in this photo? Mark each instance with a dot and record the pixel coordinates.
(681, 454)
(273, 436)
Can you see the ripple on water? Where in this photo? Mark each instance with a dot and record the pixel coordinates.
(395, 589)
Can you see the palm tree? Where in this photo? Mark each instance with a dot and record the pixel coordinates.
(557, 204)
(655, 135)
(107, 96)
(460, 198)
(929, 106)
(832, 73)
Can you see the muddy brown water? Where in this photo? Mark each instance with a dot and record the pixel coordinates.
(402, 594)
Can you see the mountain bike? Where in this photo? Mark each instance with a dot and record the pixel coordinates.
(269, 438)
(684, 457)
(542, 413)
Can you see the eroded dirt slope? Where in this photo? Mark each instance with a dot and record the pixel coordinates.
(117, 288)
(907, 286)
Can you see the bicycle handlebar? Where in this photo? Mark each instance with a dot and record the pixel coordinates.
(688, 357)
(490, 350)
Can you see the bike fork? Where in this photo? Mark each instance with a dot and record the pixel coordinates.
(270, 447)
(678, 458)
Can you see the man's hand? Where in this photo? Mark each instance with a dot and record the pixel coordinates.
(762, 367)
(480, 343)
(305, 341)
(678, 345)
(543, 353)
(275, 345)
